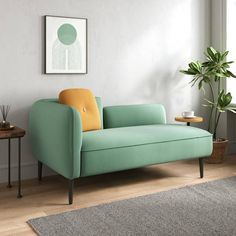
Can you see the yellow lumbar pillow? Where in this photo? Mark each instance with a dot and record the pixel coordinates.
(84, 101)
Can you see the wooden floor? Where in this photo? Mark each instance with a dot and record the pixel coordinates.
(50, 196)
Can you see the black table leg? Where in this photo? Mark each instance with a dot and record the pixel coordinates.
(19, 168)
(201, 167)
(40, 169)
(71, 190)
(9, 163)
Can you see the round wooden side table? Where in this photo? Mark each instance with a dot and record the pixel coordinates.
(196, 119)
(12, 134)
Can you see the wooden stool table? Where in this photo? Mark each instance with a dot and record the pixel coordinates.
(11, 134)
(196, 119)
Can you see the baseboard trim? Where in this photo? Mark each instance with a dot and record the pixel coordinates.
(32, 163)
(29, 170)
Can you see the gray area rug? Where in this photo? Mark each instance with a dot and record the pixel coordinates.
(203, 209)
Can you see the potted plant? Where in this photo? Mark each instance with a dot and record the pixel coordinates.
(210, 73)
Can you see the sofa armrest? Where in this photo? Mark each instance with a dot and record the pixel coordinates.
(56, 136)
(133, 115)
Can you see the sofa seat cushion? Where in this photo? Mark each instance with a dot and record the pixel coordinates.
(139, 135)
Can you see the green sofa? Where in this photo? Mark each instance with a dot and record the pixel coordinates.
(131, 136)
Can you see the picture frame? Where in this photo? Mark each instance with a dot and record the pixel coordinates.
(65, 45)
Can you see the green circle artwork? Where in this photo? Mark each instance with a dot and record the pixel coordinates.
(67, 34)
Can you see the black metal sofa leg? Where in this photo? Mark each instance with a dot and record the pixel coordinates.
(70, 191)
(40, 168)
(201, 166)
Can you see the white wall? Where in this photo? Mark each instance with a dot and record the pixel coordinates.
(136, 49)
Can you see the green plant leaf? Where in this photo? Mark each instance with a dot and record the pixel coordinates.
(223, 56)
(193, 81)
(224, 100)
(232, 110)
(218, 56)
(200, 84)
(187, 72)
(229, 62)
(231, 74)
(206, 105)
(195, 66)
(220, 75)
(210, 102)
(221, 110)
(225, 65)
(211, 52)
(206, 63)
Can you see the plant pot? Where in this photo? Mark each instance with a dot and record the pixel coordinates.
(218, 153)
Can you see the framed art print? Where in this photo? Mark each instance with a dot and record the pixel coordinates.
(65, 45)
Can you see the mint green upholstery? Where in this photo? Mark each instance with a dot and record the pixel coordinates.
(120, 148)
(100, 108)
(56, 136)
(139, 135)
(143, 138)
(133, 115)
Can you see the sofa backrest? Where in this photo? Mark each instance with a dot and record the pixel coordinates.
(133, 115)
(100, 108)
